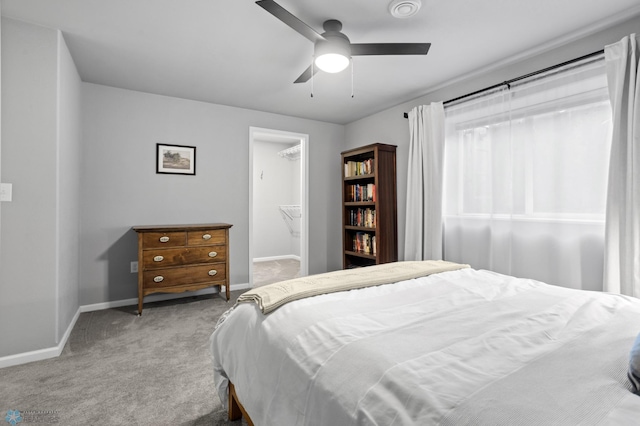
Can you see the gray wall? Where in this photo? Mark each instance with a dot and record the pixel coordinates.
(37, 280)
(28, 282)
(391, 127)
(120, 187)
(68, 186)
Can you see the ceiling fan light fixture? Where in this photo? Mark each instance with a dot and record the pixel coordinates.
(404, 8)
(332, 62)
(333, 50)
(333, 54)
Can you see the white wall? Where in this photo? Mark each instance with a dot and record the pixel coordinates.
(37, 280)
(276, 182)
(120, 188)
(296, 180)
(391, 127)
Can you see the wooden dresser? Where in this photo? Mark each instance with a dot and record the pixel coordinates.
(177, 258)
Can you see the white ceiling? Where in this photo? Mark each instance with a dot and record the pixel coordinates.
(233, 52)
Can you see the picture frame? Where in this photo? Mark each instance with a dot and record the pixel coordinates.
(175, 159)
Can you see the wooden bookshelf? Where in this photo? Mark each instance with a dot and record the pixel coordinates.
(369, 206)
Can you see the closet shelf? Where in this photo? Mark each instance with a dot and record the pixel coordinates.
(292, 153)
(289, 213)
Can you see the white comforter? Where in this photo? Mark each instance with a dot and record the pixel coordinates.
(457, 348)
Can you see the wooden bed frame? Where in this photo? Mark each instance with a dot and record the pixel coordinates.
(236, 410)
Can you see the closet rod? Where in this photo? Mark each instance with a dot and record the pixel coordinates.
(513, 80)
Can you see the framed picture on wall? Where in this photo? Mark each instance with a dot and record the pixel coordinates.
(175, 159)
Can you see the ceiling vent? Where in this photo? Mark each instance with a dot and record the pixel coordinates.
(404, 8)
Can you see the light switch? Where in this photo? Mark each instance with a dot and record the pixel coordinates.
(6, 190)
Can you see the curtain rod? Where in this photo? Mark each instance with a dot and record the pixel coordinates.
(513, 80)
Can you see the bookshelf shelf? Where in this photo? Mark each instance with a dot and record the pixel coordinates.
(359, 204)
(360, 228)
(361, 177)
(369, 206)
(360, 254)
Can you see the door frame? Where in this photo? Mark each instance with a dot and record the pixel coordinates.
(260, 133)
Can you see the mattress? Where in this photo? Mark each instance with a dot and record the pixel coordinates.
(466, 347)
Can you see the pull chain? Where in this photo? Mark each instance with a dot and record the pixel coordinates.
(312, 73)
(352, 78)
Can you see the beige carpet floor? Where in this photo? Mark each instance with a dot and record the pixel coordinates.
(272, 271)
(121, 369)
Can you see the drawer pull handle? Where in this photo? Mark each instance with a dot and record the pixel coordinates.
(213, 253)
(213, 272)
(158, 279)
(164, 239)
(158, 258)
(206, 237)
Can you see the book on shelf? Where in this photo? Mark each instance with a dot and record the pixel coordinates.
(358, 168)
(364, 192)
(362, 217)
(364, 243)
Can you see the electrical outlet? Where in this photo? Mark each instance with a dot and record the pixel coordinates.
(134, 267)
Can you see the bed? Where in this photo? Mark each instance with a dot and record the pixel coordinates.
(453, 347)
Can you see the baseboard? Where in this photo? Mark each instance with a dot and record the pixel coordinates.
(55, 351)
(41, 354)
(269, 258)
(151, 298)
(157, 298)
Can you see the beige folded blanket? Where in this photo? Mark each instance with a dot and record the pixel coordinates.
(272, 296)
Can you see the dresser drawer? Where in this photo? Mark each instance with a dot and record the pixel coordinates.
(185, 275)
(161, 258)
(164, 239)
(206, 237)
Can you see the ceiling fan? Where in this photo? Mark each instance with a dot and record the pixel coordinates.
(332, 49)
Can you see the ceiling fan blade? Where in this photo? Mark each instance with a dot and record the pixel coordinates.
(285, 16)
(306, 75)
(358, 49)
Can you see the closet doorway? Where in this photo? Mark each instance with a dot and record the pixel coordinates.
(278, 205)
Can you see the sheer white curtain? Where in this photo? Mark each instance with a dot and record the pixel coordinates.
(622, 255)
(423, 226)
(526, 176)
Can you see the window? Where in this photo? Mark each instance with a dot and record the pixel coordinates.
(526, 174)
